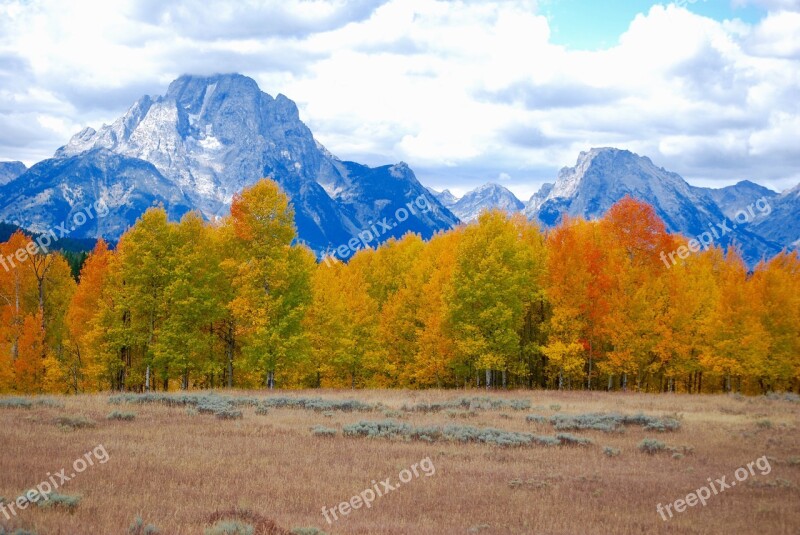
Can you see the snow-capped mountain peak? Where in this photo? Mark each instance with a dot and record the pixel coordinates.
(207, 138)
(485, 197)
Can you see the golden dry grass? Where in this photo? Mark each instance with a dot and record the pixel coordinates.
(176, 470)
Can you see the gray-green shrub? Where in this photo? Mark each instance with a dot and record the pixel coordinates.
(60, 501)
(378, 429)
(451, 432)
(651, 446)
(231, 527)
(535, 418)
(140, 528)
(16, 402)
(570, 439)
(610, 422)
(74, 422)
(121, 415)
(322, 431)
(18, 531)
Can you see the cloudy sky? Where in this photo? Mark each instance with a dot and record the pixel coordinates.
(465, 92)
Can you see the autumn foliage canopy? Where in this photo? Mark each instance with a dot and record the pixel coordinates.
(496, 303)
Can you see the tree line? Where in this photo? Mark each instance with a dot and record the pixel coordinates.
(492, 304)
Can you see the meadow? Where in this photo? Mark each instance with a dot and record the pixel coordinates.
(517, 462)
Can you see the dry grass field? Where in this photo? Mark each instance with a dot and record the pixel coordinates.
(176, 467)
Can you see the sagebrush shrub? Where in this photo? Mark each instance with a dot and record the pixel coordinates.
(317, 404)
(322, 431)
(15, 402)
(535, 418)
(784, 396)
(470, 404)
(122, 416)
(231, 527)
(18, 531)
(61, 501)
(140, 528)
(610, 422)
(570, 439)
(74, 422)
(375, 429)
(652, 446)
(229, 414)
(452, 432)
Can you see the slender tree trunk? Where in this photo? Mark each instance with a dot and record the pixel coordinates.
(230, 342)
(488, 379)
(589, 375)
(624, 382)
(17, 322)
(544, 372)
(43, 327)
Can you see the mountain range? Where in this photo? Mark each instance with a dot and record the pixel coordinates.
(761, 222)
(469, 207)
(208, 137)
(198, 145)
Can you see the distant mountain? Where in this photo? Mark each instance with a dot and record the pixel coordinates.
(199, 144)
(537, 199)
(782, 224)
(486, 197)
(10, 170)
(733, 199)
(603, 176)
(445, 197)
(51, 192)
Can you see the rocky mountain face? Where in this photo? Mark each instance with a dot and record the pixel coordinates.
(486, 197)
(602, 176)
(199, 144)
(10, 170)
(445, 197)
(733, 199)
(113, 188)
(537, 199)
(782, 224)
